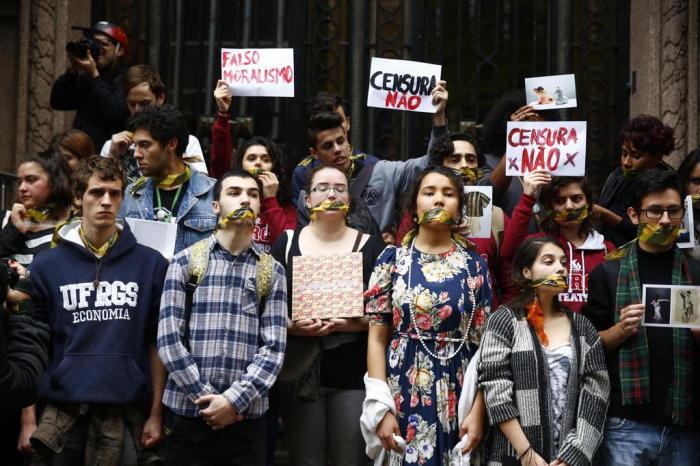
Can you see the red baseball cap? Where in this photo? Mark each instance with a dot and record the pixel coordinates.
(108, 29)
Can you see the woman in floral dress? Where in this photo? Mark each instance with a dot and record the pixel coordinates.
(427, 302)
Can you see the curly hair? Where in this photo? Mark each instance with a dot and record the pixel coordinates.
(279, 164)
(551, 190)
(165, 123)
(59, 175)
(106, 168)
(648, 134)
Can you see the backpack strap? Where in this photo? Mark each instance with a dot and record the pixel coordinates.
(199, 259)
(361, 181)
(263, 278)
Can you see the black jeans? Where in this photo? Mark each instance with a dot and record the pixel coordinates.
(191, 442)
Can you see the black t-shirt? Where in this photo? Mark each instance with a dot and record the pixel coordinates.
(170, 201)
(600, 309)
(343, 366)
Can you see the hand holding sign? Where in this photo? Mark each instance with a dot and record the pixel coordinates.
(558, 147)
(259, 72)
(534, 180)
(223, 97)
(402, 85)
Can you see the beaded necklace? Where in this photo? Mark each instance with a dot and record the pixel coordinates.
(412, 311)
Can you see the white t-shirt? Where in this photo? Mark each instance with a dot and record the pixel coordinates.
(193, 149)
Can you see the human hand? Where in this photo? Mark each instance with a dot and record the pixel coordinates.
(120, 144)
(270, 184)
(218, 412)
(631, 318)
(354, 324)
(152, 431)
(526, 113)
(558, 463)
(87, 65)
(19, 268)
(534, 180)
(389, 238)
(386, 430)
(473, 425)
(18, 217)
(312, 328)
(223, 96)
(439, 97)
(531, 458)
(25, 433)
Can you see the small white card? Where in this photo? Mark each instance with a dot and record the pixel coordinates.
(671, 306)
(551, 92)
(402, 85)
(478, 208)
(157, 235)
(258, 72)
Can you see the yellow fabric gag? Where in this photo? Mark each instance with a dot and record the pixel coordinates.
(554, 280)
(657, 234)
(240, 213)
(329, 205)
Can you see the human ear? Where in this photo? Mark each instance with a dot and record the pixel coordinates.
(527, 273)
(632, 214)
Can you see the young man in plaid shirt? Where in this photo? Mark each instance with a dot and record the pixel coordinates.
(654, 413)
(219, 375)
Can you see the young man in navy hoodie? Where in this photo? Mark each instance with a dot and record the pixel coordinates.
(226, 352)
(99, 291)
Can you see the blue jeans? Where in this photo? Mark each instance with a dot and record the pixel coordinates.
(631, 443)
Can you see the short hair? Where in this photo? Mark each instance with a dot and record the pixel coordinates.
(648, 134)
(652, 181)
(687, 167)
(75, 141)
(106, 168)
(549, 191)
(138, 74)
(58, 173)
(238, 173)
(326, 102)
(411, 201)
(165, 123)
(318, 168)
(323, 122)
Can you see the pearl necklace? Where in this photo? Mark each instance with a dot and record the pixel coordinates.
(412, 310)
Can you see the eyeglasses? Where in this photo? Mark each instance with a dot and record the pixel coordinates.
(323, 188)
(658, 212)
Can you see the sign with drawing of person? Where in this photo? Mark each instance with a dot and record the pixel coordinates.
(551, 92)
(671, 306)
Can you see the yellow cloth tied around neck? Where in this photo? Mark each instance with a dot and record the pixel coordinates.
(695, 198)
(98, 250)
(329, 205)
(569, 215)
(555, 280)
(193, 158)
(255, 172)
(657, 234)
(171, 181)
(240, 213)
(470, 175)
(39, 215)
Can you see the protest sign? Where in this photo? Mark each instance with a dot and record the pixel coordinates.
(478, 208)
(551, 92)
(157, 235)
(686, 238)
(318, 294)
(671, 306)
(259, 72)
(402, 85)
(557, 146)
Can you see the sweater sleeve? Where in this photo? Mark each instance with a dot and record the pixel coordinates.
(517, 227)
(11, 240)
(495, 372)
(221, 146)
(109, 93)
(581, 443)
(65, 94)
(278, 218)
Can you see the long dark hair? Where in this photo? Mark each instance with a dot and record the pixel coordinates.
(525, 256)
(59, 176)
(550, 191)
(279, 165)
(687, 167)
(410, 202)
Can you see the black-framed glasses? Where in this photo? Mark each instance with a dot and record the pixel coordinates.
(658, 212)
(323, 188)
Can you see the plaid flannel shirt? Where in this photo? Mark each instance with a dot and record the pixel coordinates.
(237, 349)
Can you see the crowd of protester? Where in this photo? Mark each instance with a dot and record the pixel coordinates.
(524, 347)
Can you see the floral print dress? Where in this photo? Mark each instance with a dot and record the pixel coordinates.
(426, 389)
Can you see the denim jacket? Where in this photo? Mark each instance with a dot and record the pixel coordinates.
(195, 217)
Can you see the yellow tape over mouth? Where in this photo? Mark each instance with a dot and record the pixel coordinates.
(469, 174)
(657, 234)
(328, 205)
(554, 280)
(255, 172)
(436, 215)
(240, 213)
(569, 215)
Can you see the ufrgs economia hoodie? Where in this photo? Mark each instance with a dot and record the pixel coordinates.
(581, 260)
(103, 314)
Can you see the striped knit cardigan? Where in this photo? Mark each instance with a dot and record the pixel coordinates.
(513, 375)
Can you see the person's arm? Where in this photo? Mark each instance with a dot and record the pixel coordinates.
(517, 228)
(266, 364)
(152, 428)
(278, 218)
(594, 392)
(65, 94)
(109, 94)
(178, 361)
(439, 97)
(221, 139)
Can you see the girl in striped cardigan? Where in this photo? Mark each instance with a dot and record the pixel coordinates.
(542, 369)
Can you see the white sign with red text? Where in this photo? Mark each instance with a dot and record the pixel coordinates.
(558, 147)
(402, 85)
(258, 72)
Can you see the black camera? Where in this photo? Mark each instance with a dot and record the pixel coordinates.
(80, 48)
(8, 279)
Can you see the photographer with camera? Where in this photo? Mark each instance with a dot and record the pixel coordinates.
(92, 85)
